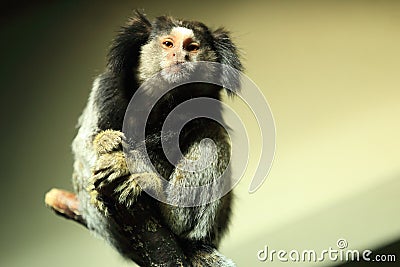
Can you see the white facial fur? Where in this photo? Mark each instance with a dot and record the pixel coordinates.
(157, 57)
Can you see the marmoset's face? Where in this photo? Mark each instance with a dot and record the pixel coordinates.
(173, 53)
(179, 49)
(179, 46)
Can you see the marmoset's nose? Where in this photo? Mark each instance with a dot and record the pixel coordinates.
(180, 55)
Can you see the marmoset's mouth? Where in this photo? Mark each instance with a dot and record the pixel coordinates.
(177, 71)
(178, 66)
(175, 67)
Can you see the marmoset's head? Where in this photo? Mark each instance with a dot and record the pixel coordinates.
(173, 48)
(170, 47)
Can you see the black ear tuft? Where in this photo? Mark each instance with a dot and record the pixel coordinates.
(228, 55)
(125, 49)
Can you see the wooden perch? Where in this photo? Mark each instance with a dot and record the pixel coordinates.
(64, 203)
(151, 243)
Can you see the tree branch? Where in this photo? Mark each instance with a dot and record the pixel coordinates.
(151, 243)
(65, 204)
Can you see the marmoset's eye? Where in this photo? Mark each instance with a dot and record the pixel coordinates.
(167, 43)
(192, 47)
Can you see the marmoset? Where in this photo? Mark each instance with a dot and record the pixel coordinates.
(101, 175)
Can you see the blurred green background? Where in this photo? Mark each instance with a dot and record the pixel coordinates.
(330, 71)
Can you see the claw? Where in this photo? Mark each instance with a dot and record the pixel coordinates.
(111, 176)
(108, 141)
(129, 190)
